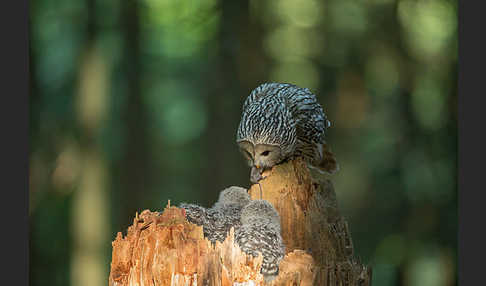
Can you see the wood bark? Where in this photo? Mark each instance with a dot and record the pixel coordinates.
(165, 249)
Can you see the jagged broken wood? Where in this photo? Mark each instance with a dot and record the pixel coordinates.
(165, 249)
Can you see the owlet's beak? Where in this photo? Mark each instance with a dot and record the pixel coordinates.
(257, 166)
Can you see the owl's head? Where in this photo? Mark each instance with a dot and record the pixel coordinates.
(267, 131)
(260, 212)
(261, 155)
(233, 195)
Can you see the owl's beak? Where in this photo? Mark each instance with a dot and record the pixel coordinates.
(257, 166)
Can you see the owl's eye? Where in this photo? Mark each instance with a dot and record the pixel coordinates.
(265, 153)
(247, 154)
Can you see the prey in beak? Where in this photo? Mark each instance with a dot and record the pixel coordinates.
(255, 174)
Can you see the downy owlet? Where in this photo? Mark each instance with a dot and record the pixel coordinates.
(260, 233)
(281, 121)
(224, 214)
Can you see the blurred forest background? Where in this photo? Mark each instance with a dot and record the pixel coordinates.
(135, 102)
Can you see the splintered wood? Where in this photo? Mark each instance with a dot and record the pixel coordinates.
(165, 249)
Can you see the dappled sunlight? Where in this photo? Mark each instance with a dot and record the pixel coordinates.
(135, 103)
(430, 26)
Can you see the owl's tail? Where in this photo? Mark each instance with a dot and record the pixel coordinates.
(328, 164)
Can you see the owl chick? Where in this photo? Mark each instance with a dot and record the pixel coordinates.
(281, 121)
(194, 213)
(232, 196)
(260, 233)
(224, 214)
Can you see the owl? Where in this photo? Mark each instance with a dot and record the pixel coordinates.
(260, 233)
(194, 213)
(224, 214)
(232, 196)
(281, 121)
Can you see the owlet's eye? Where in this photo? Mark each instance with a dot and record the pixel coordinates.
(265, 153)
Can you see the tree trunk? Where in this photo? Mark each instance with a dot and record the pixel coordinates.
(165, 249)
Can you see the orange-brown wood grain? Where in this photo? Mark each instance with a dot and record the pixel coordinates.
(165, 249)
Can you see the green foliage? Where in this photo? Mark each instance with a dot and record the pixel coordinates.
(384, 70)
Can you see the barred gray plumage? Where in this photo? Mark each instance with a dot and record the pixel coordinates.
(194, 213)
(224, 214)
(280, 121)
(260, 233)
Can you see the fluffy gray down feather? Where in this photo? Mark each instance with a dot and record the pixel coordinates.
(260, 233)
(224, 214)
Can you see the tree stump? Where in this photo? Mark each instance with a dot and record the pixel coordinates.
(165, 249)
